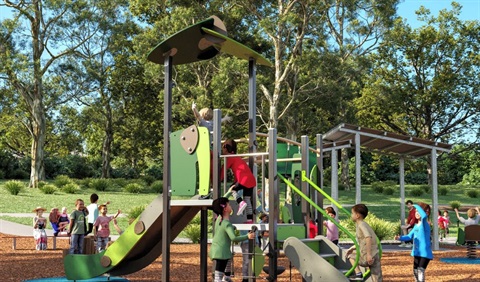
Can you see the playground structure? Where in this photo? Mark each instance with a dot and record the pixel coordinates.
(187, 162)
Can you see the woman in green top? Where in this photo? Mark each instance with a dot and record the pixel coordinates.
(224, 234)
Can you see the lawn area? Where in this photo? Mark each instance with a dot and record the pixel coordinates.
(383, 206)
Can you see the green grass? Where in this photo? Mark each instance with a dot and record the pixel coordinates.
(386, 207)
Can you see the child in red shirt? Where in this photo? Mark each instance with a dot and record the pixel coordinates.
(244, 179)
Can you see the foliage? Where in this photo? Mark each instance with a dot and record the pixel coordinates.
(377, 187)
(472, 193)
(417, 192)
(134, 188)
(48, 189)
(135, 212)
(62, 180)
(148, 179)
(443, 191)
(382, 228)
(14, 187)
(157, 186)
(71, 188)
(100, 184)
(455, 204)
(472, 177)
(192, 232)
(426, 188)
(424, 80)
(380, 186)
(388, 191)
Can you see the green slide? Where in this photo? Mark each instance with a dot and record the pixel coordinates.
(138, 246)
(141, 243)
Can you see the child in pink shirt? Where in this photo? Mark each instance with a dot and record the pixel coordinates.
(332, 229)
(101, 230)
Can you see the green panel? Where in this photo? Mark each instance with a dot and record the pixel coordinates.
(204, 158)
(290, 230)
(185, 44)
(314, 245)
(235, 48)
(79, 267)
(183, 167)
(285, 214)
(258, 261)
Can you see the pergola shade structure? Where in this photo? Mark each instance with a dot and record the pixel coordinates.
(383, 142)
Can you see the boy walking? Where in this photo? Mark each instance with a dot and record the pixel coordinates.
(367, 241)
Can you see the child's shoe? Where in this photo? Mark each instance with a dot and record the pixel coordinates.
(356, 277)
(402, 245)
(241, 207)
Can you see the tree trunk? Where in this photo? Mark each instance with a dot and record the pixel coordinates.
(107, 143)
(345, 180)
(37, 172)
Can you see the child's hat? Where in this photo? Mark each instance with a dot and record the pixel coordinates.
(39, 208)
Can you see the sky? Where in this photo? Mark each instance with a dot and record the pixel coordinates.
(406, 9)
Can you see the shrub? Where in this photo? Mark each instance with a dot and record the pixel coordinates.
(455, 204)
(62, 180)
(133, 188)
(134, 212)
(100, 184)
(157, 186)
(19, 174)
(384, 229)
(342, 187)
(388, 191)
(148, 179)
(41, 184)
(47, 189)
(416, 192)
(192, 232)
(2, 174)
(472, 193)
(71, 188)
(426, 188)
(14, 187)
(377, 187)
(443, 191)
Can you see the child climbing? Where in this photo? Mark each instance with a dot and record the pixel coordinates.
(244, 179)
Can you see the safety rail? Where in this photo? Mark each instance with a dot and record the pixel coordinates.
(320, 190)
(350, 235)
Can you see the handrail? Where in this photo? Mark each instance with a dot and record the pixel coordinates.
(305, 197)
(320, 190)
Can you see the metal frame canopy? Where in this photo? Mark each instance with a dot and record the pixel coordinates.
(403, 146)
(385, 142)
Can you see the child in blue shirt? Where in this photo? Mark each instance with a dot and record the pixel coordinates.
(422, 248)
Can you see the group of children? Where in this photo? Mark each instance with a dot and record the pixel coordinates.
(78, 224)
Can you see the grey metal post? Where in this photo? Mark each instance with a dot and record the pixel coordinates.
(319, 196)
(217, 149)
(402, 189)
(334, 177)
(252, 135)
(167, 128)
(434, 209)
(358, 170)
(305, 185)
(273, 203)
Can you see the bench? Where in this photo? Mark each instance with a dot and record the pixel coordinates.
(15, 237)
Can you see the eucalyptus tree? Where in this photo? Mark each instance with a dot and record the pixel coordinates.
(37, 39)
(424, 81)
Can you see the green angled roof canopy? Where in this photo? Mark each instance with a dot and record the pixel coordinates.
(202, 41)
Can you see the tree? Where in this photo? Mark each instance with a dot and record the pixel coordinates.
(424, 82)
(55, 31)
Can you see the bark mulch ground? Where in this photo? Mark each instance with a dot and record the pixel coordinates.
(27, 263)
